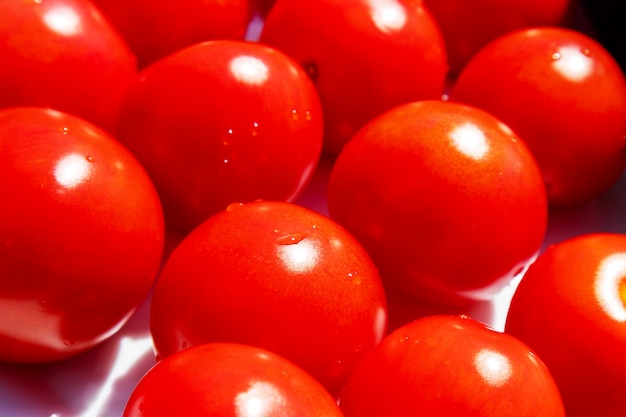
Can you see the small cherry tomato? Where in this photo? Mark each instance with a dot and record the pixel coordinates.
(81, 235)
(65, 55)
(221, 122)
(565, 96)
(468, 25)
(365, 56)
(277, 276)
(154, 29)
(446, 199)
(225, 380)
(570, 308)
(450, 366)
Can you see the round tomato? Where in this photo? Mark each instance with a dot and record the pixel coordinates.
(446, 199)
(63, 54)
(468, 25)
(277, 276)
(81, 235)
(570, 309)
(225, 380)
(565, 96)
(220, 122)
(450, 366)
(154, 29)
(364, 56)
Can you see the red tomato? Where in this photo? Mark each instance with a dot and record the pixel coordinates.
(81, 235)
(468, 25)
(570, 309)
(445, 198)
(223, 121)
(365, 56)
(154, 29)
(450, 366)
(63, 54)
(565, 96)
(225, 380)
(277, 276)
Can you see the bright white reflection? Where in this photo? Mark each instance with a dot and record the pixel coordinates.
(299, 257)
(62, 20)
(249, 69)
(609, 276)
(470, 140)
(260, 400)
(493, 367)
(130, 351)
(72, 169)
(388, 15)
(572, 62)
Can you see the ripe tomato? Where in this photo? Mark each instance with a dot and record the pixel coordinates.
(274, 275)
(81, 235)
(154, 29)
(366, 57)
(468, 25)
(565, 96)
(225, 380)
(450, 366)
(570, 309)
(223, 121)
(445, 198)
(63, 54)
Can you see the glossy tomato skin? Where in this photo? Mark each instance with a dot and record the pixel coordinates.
(63, 54)
(367, 57)
(154, 29)
(569, 308)
(450, 365)
(223, 121)
(565, 96)
(468, 25)
(445, 198)
(81, 232)
(224, 380)
(277, 276)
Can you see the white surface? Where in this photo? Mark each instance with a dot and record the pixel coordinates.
(99, 382)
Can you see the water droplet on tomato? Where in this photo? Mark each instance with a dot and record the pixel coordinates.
(556, 56)
(255, 129)
(89, 158)
(291, 238)
(338, 367)
(234, 206)
(295, 115)
(354, 276)
(307, 115)
(585, 52)
(66, 130)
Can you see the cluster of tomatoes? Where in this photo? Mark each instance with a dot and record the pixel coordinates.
(160, 149)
